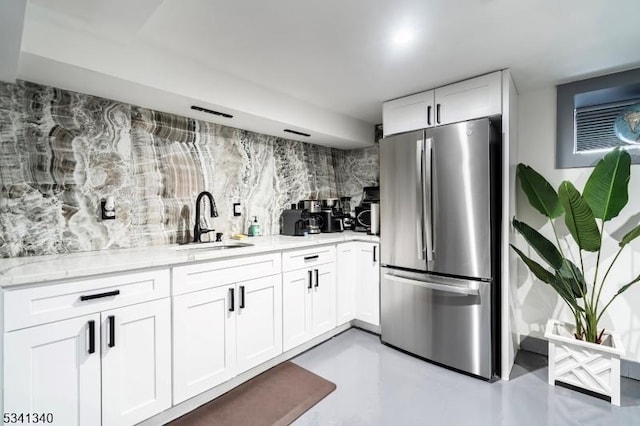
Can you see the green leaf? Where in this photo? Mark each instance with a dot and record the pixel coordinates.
(606, 189)
(555, 281)
(540, 244)
(626, 286)
(630, 236)
(540, 193)
(579, 218)
(572, 275)
(541, 273)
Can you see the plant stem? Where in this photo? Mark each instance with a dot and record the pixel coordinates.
(604, 278)
(595, 277)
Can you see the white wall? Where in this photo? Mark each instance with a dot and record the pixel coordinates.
(536, 301)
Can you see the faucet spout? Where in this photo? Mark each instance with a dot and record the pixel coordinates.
(213, 211)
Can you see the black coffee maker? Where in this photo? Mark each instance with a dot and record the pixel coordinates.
(294, 222)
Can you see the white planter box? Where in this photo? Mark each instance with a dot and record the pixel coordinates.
(589, 366)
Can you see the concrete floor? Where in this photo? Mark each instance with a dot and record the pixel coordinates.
(377, 385)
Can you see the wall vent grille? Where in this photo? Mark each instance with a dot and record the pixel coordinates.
(594, 126)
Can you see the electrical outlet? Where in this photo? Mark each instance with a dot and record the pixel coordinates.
(236, 209)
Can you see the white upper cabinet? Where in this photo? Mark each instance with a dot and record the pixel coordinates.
(408, 113)
(469, 99)
(466, 100)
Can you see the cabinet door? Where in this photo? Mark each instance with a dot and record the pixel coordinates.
(345, 283)
(409, 113)
(136, 362)
(368, 283)
(324, 298)
(49, 369)
(296, 307)
(204, 340)
(258, 321)
(469, 99)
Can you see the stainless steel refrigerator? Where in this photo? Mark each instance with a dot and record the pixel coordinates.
(439, 242)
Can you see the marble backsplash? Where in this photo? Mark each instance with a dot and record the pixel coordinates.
(62, 152)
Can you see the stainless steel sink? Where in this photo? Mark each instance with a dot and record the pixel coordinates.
(224, 245)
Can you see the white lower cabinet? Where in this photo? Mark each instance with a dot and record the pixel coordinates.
(222, 331)
(109, 368)
(55, 368)
(136, 362)
(259, 323)
(367, 283)
(309, 303)
(345, 282)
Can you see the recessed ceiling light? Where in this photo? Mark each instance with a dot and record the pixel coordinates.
(403, 37)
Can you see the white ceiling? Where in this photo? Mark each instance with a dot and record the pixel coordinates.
(337, 56)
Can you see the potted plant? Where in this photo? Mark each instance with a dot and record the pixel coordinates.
(584, 354)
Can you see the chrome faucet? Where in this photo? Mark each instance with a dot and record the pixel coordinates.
(198, 230)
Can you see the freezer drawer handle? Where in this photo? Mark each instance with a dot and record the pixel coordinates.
(99, 295)
(435, 286)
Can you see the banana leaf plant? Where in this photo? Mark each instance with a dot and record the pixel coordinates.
(604, 196)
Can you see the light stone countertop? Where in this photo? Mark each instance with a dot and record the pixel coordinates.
(37, 269)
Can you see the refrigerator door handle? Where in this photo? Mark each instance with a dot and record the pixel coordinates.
(420, 197)
(467, 291)
(427, 228)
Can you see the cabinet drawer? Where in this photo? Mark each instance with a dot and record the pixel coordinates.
(190, 278)
(31, 306)
(297, 259)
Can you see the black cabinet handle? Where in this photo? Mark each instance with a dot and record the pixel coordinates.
(311, 257)
(99, 295)
(112, 331)
(232, 302)
(429, 115)
(374, 253)
(92, 336)
(310, 279)
(438, 113)
(241, 297)
(317, 278)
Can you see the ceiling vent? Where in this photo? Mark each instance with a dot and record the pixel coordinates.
(295, 132)
(210, 111)
(594, 126)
